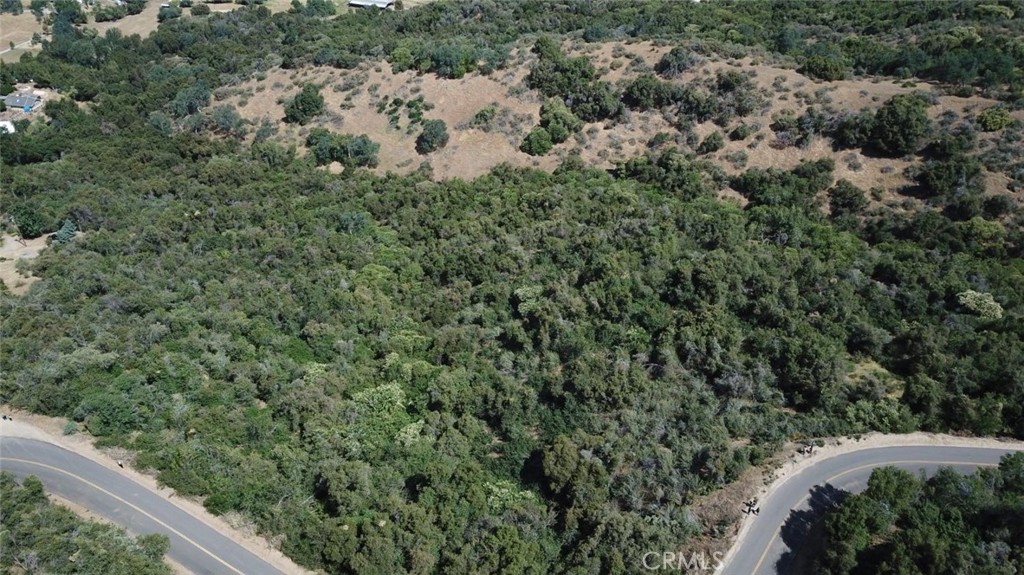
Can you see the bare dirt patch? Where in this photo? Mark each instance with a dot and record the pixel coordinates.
(13, 250)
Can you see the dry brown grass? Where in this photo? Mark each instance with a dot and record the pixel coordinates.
(18, 28)
(473, 152)
(12, 251)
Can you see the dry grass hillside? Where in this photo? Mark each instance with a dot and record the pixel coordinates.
(354, 100)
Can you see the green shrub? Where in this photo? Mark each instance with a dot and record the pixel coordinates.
(994, 119)
(846, 199)
(29, 222)
(901, 124)
(829, 68)
(712, 143)
(305, 106)
(482, 119)
(351, 151)
(677, 61)
(433, 137)
(648, 92)
(11, 7)
(854, 131)
(558, 120)
(538, 142)
(168, 13)
(741, 132)
(109, 13)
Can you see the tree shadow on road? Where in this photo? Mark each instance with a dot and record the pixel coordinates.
(804, 531)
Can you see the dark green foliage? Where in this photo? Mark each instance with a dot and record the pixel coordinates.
(11, 7)
(168, 13)
(433, 137)
(320, 8)
(558, 121)
(846, 199)
(647, 92)
(712, 143)
(952, 177)
(676, 61)
(201, 9)
(949, 523)
(227, 120)
(854, 130)
(901, 125)
(305, 106)
(109, 13)
(482, 119)
(538, 142)
(822, 67)
(574, 80)
(351, 151)
(741, 132)
(52, 539)
(190, 99)
(527, 372)
(29, 221)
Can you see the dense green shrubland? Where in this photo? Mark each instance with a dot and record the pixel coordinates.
(401, 375)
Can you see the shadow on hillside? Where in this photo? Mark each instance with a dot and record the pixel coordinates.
(804, 531)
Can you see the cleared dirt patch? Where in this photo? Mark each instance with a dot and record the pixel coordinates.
(13, 250)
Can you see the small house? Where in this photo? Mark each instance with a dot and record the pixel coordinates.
(23, 101)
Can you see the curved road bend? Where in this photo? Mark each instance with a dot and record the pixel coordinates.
(194, 544)
(762, 547)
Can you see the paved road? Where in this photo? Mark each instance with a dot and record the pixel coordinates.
(195, 545)
(786, 509)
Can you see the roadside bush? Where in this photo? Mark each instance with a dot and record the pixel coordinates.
(433, 137)
(29, 222)
(200, 10)
(11, 7)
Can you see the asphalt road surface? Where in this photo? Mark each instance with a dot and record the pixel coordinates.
(789, 515)
(195, 545)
